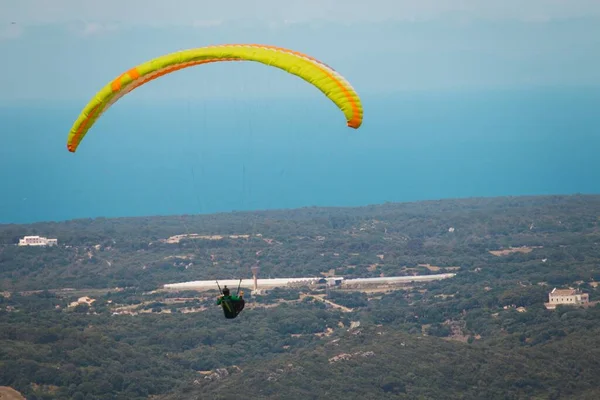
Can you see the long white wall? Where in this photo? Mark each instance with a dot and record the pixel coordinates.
(270, 283)
(233, 284)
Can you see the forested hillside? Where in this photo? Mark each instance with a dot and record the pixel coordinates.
(100, 253)
(483, 334)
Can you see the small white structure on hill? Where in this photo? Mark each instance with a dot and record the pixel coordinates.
(573, 297)
(37, 241)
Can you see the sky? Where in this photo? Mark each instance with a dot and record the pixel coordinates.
(484, 97)
(66, 50)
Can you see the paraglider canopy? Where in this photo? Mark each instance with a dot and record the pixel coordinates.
(320, 75)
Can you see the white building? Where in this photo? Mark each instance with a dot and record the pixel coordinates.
(263, 284)
(398, 279)
(232, 284)
(572, 297)
(37, 241)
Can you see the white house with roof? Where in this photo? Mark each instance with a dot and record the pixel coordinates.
(571, 297)
(37, 241)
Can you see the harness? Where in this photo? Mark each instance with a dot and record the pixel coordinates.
(231, 308)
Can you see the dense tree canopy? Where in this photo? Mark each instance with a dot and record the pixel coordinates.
(483, 334)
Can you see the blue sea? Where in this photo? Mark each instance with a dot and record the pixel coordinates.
(212, 155)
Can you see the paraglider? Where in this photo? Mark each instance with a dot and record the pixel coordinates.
(323, 77)
(232, 304)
